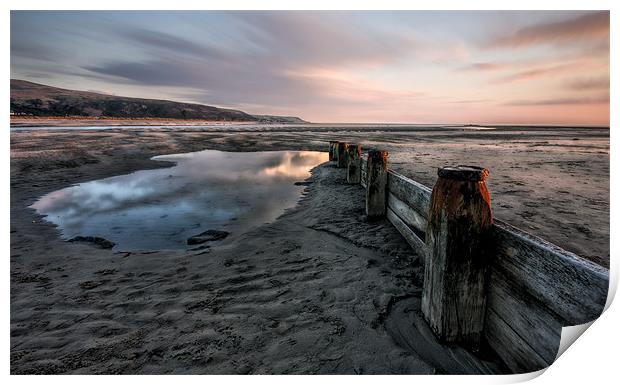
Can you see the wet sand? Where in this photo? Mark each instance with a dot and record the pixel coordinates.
(319, 290)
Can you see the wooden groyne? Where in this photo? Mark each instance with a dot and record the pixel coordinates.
(485, 281)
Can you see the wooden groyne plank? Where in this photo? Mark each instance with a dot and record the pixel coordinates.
(573, 288)
(415, 194)
(515, 353)
(534, 287)
(416, 243)
(530, 320)
(411, 217)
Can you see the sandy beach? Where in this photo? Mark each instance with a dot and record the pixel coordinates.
(320, 290)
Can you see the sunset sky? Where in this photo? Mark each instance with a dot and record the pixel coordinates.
(393, 67)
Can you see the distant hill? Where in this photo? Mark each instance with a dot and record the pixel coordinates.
(32, 99)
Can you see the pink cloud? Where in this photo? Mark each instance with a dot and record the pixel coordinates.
(587, 84)
(604, 99)
(484, 66)
(591, 26)
(547, 71)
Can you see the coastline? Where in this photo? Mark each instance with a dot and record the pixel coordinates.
(308, 293)
(239, 308)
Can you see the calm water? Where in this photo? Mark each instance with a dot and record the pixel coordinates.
(160, 209)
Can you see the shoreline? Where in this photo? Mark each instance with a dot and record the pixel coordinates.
(552, 184)
(317, 291)
(308, 293)
(50, 121)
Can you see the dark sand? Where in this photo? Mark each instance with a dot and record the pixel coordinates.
(320, 290)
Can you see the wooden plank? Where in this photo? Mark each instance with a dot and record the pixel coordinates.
(571, 287)
(364, 171)
(414, 194)
(416, 243)
(512, 349)
(525, 315)
(406, 213)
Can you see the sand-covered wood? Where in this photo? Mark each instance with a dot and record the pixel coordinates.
(354, 153)
(416, 243)
(342, 155)
(364, 170)
(335, 153)
(376, 184)
(405, 323)
(459, 224)
(333, 149)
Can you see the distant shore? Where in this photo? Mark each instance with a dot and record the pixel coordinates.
(51, 121)
(62, 121)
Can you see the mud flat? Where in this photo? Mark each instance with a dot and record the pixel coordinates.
(320, 290)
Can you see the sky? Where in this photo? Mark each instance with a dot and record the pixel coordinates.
(502, 67)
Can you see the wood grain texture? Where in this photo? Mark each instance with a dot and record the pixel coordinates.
(333, 149)
(411, 217)
(416, 243)
(525, 315)
(376, 184)
(363, 174)
(354, 152)
(414, 194)
(455, 270)
(571, 287)
(513, 350)
(534, 287)
(342, 155)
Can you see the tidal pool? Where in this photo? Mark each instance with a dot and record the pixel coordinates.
(160, 209)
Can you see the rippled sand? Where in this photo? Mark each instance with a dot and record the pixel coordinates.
(310, 293)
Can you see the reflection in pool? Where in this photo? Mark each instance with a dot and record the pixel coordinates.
(160, 209)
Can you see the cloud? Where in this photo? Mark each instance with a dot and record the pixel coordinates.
(275, 60)
(222, 82)
(535, 73)
(161, 41)
(484, 66)
(592, 26)
(313, 38)
(471, 101)
(560, 101)
(336, 66)
(587, 84)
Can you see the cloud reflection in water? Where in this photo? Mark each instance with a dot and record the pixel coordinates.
(160, 209)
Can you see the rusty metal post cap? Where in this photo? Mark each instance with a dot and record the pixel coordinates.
(464, 173)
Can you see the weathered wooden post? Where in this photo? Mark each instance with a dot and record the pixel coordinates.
(335, 153)
(333, 149)
(354, 167)
(455, 270)
(376, 183)
(342, 154)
